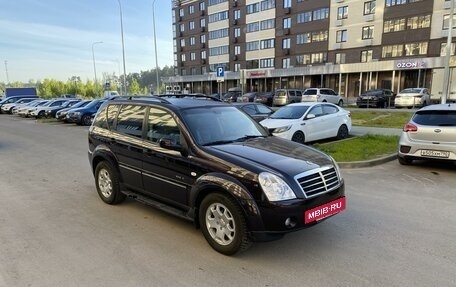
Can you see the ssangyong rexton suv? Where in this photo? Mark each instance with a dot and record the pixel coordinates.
(209, 162)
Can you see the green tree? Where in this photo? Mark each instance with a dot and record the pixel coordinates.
(134, 87)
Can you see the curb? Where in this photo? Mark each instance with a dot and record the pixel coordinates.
(367, 163)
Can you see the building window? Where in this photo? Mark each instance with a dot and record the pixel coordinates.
(237, 67)
(318, 58)
(191, 9)
(237, 14)
(415, 49)
(202, 6)
(342, 13)
(267, 4)
(303, 38)
(267, 63)
(393, 25)
(221, 50)
(182, 42)
(320, 36)
(419, 22)
(215, 2)
(237, 50)
(192, 56)
(390, 3)
(340, 58)
(183, 57)
(253, 8)
(252, 64)
(181, 12)
(192, 41)
(219, 16)
(286, 3)
(366, 56)
(253, 27)
(203, 22)
(368, 32)
(315, 15)
(286, 63)
(237, 32)
(217, 34)
(182, 27)
(286, 23)
(191, 25)
(267, 24)
(267, 44)
(252, 46)
(341, 36)
(286, 43)
(203, 55)
(369, 7)
(443, 49)
(446, 21)
(203, 38)
(392, 51)
(203, 70)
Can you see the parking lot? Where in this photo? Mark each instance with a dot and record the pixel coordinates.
(398, 228)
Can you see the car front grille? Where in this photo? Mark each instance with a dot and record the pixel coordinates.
(318, 181)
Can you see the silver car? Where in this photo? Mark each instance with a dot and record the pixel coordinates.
(412, 98)
(430, 134)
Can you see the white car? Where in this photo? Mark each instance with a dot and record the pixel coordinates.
(412, 97)
(322, 95)
(307, 122)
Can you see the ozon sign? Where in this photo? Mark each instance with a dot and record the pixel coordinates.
(410, 65)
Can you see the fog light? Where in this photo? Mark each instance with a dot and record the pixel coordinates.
(405, 148)
(290, 222)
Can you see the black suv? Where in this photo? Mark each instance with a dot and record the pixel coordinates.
(211, 163)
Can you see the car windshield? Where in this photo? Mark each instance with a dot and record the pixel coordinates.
(290, 112)
(220, 125)
(411, 91)
(435, 118)
(373, 92)
(310, 92)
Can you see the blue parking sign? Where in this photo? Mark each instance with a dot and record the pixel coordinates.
(220, 71)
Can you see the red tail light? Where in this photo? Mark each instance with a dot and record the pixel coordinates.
(409, 127)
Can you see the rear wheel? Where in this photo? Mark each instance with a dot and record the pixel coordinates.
(342, 133)
(404, 160)
(340, 103)
(86, 120)
(40, 115)
(298, 137)
(223, 224)
(107, 182)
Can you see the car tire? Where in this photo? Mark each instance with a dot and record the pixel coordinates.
(340, 103)
(86, 120)
(107, 183)
(223, 224)
(342, 133)
(40, 115)
(404, 160)
(299, 137)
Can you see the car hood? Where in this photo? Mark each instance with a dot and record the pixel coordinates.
(271, 154)
(276, 123)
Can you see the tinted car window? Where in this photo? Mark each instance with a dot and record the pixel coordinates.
(263, 110)
(310, 92)
(161, 124)
(130, 120)
(111, 115)
(289, 112)
(317, 111)
(435, 118)
(250, 109)
(327, 109)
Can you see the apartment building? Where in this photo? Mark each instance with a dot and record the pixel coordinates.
(347, 45)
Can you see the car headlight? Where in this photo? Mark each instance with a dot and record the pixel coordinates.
(336, 166)
(282, 129)
(76, 114)
(274, 187)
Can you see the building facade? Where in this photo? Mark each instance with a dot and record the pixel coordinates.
(347, 45)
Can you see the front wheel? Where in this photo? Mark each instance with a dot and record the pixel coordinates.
(223, 224)
(86, 120)
(342, 133)
(107, 182)
(298, 137)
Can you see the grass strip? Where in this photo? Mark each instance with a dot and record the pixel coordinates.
(381, 119)
(361, 148)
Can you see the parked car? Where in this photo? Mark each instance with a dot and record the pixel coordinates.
(13, 99)
(307, 122)
(83, 115)
(324, 95)
(51, 111)
(412, 98)
(208, 162)
(247, 97)
(8, 108)
(284, 97)
(256, 110)
(61, 114)
(377, 98)
(232, 95)
(24, 105)
(430, 134)
(27, 110)
(264, 98)
(40, 111)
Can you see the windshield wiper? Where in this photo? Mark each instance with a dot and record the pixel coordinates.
(246, 137)
(218, 142)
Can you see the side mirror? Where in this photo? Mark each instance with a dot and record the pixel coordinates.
(170, 143)
(310, 116)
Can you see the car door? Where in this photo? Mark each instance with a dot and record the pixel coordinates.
(165, 172)
(314, 126)
(126, 142)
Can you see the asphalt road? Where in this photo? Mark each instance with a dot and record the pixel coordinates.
(399, 228)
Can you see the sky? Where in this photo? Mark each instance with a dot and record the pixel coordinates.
(53, 39)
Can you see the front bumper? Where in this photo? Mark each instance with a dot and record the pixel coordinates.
(277, 219)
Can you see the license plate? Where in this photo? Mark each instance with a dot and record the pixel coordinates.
(435, 153)
(324, 210)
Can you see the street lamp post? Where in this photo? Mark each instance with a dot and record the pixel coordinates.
(155, 44)
(123, 50)
(93, 57)
(446, 71)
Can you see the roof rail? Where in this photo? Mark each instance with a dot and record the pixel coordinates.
(196, 95)
(158, 98)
